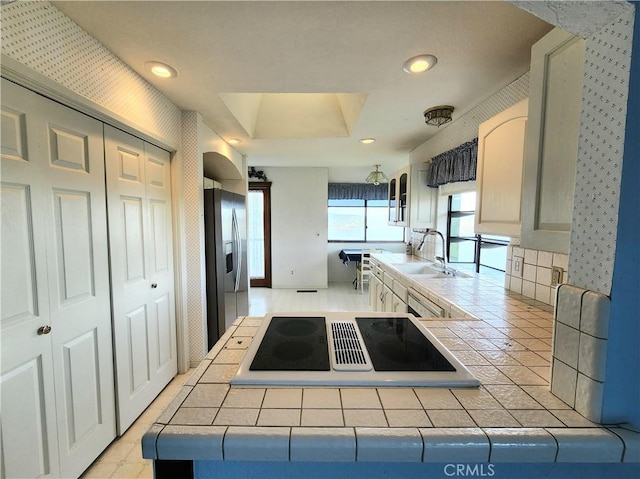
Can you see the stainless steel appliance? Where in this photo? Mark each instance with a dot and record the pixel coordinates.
(226, 260)
(349, 349)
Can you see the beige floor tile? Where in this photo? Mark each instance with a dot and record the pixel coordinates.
(129, 469)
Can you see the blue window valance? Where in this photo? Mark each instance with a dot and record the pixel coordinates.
(357, 191)
(458, 164)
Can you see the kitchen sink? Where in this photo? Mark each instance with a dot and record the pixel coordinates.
(426, 271)
(418, 268)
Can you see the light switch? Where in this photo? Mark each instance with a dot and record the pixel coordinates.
(517, 266)
(556, 275)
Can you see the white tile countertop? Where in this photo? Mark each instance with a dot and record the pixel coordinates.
(504, 340)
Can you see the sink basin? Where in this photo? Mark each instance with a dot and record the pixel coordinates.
(425, 271)
(417, 268)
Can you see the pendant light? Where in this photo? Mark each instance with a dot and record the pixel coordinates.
(377, 177)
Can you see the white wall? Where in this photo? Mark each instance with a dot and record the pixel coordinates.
(298, 227)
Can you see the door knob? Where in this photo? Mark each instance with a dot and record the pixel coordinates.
(154, 285)
(46, 329)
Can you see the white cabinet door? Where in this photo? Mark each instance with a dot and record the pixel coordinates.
(54, 240)
(501, 143)
(399, 192)
(555, 94)
(139, 200)
(423, 199)
(373, 292)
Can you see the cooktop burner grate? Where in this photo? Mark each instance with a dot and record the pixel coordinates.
(347, 346)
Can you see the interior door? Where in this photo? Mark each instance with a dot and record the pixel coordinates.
(139, 203)
(259, 233)
(56, 317)
(28, 414)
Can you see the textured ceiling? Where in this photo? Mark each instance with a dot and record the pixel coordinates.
(301, 82)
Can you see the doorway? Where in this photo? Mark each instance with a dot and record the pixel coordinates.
(259, 234)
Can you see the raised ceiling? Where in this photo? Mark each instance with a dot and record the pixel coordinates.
(301, 82)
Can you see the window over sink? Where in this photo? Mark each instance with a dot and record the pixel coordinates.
(466, 247)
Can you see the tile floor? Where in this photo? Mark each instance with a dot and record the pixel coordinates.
(123, 458)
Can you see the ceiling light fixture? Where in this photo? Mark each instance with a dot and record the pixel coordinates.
(367, 141)
(377, 177)
(234, 141)
(419, 63)
(438, 115)
(161, 70)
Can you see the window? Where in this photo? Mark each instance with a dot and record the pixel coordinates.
(361, 220)
(463, 245)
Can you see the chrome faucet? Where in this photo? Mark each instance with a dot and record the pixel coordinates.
(441, 259)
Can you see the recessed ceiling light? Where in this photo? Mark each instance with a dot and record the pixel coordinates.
(161, 70)
(367, 141)
(419, 63)
(234, 141)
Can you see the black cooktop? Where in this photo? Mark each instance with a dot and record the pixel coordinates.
(293, 344)
(396, 344)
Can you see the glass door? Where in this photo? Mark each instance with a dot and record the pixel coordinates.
(259, 234)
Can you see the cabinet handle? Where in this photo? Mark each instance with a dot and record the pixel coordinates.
(154, 285)
(46, 329)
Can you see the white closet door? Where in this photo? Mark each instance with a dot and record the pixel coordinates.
(55, 225)
(139, 202)
(28, 413)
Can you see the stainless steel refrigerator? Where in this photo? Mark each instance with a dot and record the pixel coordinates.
(225, 230)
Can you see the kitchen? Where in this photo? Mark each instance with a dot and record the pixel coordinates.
(191, 303)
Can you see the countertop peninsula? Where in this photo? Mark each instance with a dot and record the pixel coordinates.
(503, 338)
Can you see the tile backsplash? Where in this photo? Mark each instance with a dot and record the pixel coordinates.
(529, 272)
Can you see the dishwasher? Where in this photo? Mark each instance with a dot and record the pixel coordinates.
(422, 307)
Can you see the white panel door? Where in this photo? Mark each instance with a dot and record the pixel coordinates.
(27, 390)
(55, 239)
(139, 201)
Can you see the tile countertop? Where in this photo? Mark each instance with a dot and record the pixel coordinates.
(505, 341)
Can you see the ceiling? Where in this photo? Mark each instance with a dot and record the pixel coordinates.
(299, 83)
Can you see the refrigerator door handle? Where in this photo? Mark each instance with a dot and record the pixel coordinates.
(238, 248)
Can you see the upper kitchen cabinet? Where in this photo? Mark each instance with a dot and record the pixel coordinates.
(423, 199)
(501, 149)
(399, 191)
(557, 66)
